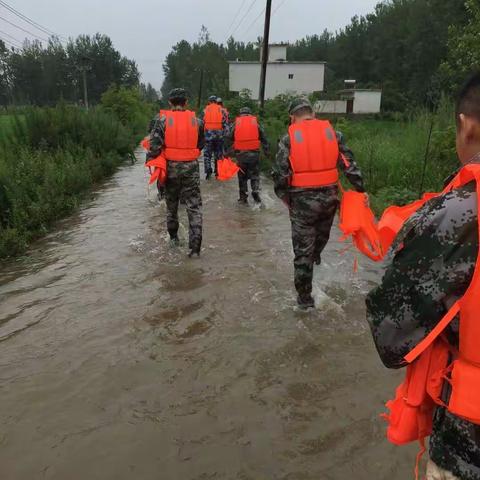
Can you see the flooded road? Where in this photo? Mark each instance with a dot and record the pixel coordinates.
(122, 359)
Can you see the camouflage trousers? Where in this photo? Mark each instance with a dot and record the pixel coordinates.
(249, 170)
(213, 149)
(436, 473)
(311, 214)
(185, 188)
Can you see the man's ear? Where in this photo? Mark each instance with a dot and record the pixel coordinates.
(468, 128)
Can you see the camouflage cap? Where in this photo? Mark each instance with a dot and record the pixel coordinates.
(178, 94)
(212, 98)
(245, 111)
(298, 103)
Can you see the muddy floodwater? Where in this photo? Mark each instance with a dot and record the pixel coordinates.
(122, 359)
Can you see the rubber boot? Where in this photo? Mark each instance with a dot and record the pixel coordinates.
(193, 252)
(256, 197)
(305, 301)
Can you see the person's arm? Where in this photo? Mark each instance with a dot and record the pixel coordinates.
(224, 121)
(157, 138)
(428, 274)
(281, 171)
(348, 165)
(264, 140)
(228, 139)
(201, 135)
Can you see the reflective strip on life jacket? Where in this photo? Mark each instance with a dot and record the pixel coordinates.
(246, 136)
(213, 118)
(181, 136)
(313, 154)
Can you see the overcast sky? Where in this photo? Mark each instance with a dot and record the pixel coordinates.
(145, 30)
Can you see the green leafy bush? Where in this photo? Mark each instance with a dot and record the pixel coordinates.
(48, 160)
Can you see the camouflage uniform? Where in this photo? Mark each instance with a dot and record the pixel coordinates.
(312, 210)
(160, 187)
(436, 252)
(214, 147)
(248, 161)
(183, 185)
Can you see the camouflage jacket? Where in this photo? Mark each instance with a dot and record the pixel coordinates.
(229, 139)
(436, 255)
(282, 171)
(157, 144)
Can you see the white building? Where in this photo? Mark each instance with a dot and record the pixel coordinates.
(352, 100)
(299, 78)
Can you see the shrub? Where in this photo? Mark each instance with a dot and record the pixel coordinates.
(47, 160)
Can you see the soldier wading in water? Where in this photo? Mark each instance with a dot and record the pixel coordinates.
(436, 255)
(178, 135)
(306, 177)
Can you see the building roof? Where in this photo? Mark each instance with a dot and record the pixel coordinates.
(281, 62)
(353, 90)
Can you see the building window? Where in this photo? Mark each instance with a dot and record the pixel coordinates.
(290, 76)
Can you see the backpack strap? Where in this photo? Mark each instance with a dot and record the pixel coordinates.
(434, 334)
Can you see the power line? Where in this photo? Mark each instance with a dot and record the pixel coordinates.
(24, 30)
(236, 16)
(244, 17)
(11, 36)
(260, 15)
(33, 23)
(8, 42)
(254, 22)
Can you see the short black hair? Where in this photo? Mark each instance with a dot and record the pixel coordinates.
(178, 101)
(468, 100)
(303, 111)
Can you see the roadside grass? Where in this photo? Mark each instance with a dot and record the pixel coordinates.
(49, 158)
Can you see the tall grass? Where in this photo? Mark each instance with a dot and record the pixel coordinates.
(48, 159)
(398, 162)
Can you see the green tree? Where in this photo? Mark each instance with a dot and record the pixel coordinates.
(463, 49)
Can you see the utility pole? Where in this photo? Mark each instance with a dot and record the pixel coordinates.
(200, 88)
(85, 92)
(266, 35)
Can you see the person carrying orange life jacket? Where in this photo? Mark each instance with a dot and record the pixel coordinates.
(178, 137)
(146, 145)
(215, 124)
(305, 175)
(243, 141)
(425, 313)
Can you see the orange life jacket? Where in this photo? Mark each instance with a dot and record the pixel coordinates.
(159, 173)
(373, 238)
(213, 118)
(145, 143)
(313, 154)
(411, 412)
(181, 136)
(246, 136)
(226, 169)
